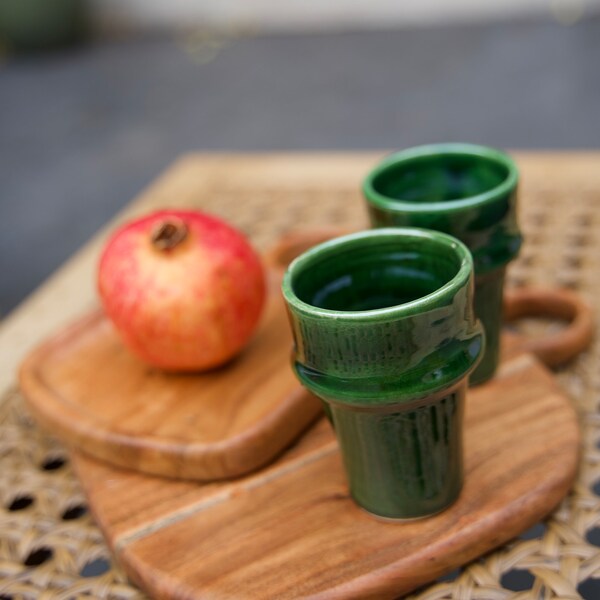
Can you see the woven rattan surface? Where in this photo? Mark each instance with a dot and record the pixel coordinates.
(49, 545)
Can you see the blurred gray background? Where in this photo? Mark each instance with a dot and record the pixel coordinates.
(88, 119)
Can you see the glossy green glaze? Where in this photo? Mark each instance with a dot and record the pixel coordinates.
(385, 333)
(404, 464)
(467, 191)
(488, 308)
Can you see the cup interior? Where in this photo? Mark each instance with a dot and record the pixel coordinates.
(373, 273)
(440, 177)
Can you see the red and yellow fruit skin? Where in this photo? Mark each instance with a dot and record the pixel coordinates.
(188, 308)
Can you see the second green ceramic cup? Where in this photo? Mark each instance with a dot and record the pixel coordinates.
(385, 335)
(469, 192)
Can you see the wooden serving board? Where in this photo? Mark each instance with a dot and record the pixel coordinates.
(291, 530)
(89, 390)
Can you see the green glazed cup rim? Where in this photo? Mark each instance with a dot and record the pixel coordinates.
(406, 309)
(447, 206)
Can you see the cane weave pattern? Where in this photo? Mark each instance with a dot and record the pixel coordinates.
(51, 549)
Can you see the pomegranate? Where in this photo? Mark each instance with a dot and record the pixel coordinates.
(183, 288)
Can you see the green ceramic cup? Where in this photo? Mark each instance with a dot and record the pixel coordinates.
(469, 192)
(385, 334)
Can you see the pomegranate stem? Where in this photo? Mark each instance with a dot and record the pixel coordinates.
(169, 234)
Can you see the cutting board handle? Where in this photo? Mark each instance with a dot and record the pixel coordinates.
(553, 349)
(294, 243)
(558, 347)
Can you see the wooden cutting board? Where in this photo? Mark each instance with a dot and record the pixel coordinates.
(84, 386)
(291, 530)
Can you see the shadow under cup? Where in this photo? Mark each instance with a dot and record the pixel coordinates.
(385, 335)
(469, 192)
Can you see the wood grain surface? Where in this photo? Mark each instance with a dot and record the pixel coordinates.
(89, 390)
(291, 530)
